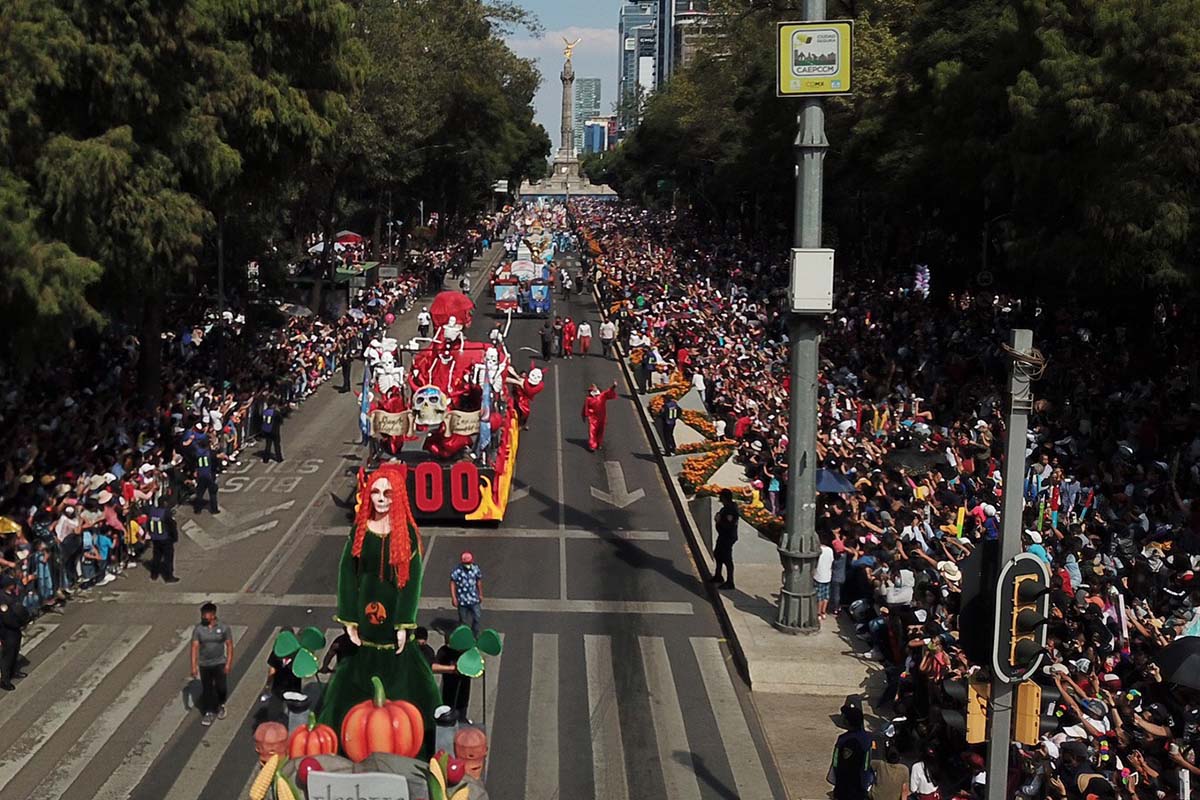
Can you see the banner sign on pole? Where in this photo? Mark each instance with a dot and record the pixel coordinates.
(815, 58)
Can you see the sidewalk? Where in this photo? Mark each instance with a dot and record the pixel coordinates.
(798, 683)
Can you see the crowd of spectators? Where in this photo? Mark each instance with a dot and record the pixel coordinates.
(83, 458)
(911, 413)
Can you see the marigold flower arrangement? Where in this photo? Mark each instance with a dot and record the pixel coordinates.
(698, 469)
(700, 421)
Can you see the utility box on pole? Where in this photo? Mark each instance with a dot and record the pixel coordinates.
(811, 286)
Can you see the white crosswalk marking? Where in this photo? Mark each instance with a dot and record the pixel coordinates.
(491, 682)
(541, 760)
(203, 762)
(608, 753)
(30, 646)
(68, 768)
(674, 753)
(34, 737)
(120, 784)
(748, 775)
(43, 671)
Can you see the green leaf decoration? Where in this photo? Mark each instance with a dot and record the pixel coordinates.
(489, 642)
(286, 644)
(462, 638)
(470, 663)
(305, 664)
(312, 639)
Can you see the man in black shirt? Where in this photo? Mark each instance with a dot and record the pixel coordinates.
(726, 524)
(13, 617)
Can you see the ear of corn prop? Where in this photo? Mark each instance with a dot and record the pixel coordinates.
(266, 776)
(286, 790)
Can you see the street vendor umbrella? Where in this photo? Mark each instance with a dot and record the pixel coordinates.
(375, 301)
(1180, 662)
(348, 237)
(319, 247)
(357, 313)
(830, 482)
(293, 310)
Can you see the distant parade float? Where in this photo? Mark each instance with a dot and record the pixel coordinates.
(522, 285)
(448, 415)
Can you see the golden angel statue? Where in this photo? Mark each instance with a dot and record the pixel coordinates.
(569, 47)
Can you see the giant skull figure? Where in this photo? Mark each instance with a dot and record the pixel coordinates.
(429, 406)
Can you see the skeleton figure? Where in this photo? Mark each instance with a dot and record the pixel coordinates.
(388, 373)
(429, 406)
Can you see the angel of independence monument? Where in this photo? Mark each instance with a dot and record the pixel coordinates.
(565, 179)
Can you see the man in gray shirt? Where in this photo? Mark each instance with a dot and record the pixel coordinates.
(212, 660)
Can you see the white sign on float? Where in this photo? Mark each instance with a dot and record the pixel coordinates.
(356, 786)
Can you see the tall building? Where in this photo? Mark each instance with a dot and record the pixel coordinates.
(680, 24)
(587, 106)
(595, 139)
(637, 38)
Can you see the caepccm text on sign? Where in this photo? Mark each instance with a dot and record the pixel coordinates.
(815, 59)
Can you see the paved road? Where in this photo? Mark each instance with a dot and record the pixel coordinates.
(614, 681)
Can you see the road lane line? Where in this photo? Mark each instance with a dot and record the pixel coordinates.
(526, 533)
(46, 670)
(30, 646)
(137, 762)
(558, 454)
(19, 753)
(68, 769)
(604, 720)
(749, 777)
(541, 759)
(202, 764)
(670, 734)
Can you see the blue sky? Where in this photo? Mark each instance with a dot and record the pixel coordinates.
(593, 21)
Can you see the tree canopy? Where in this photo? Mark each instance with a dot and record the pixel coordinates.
(132, 131)
(1047, 142)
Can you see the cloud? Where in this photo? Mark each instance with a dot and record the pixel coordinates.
(593, 41)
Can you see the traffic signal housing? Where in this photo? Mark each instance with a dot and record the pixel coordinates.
(1036, 714)
(973, 695)
(1022, 611)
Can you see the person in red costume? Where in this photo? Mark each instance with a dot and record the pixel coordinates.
(444, 447)
(568, 340)
(526, 387)
(596, 413)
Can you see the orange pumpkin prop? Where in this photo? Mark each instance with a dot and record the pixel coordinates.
(380, 725)
(313, 740)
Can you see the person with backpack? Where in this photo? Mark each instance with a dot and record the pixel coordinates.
(163, 533)
(272, 421)
(726, 524)
(850, 770)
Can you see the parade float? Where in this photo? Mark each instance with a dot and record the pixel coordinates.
(444, 407)
(373, 729)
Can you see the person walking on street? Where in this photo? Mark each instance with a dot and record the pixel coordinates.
(346, 357)
(584, 332)
(466, 591)
(595, 411)
(644, 368)
(206, 481)
(212, 661)
(568, 338)
(13, 617)
(424, 320)
(547, 334)
(608, 337)
(163, 532)
(464, 284)
(669, 416)
(726, 524)
(558, 336)
(272, 422)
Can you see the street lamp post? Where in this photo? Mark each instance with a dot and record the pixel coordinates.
(798, 551)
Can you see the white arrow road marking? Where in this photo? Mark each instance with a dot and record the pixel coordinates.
(198, 535)
(618, 494)
(516, 494)
(229, 520)
(201, 537)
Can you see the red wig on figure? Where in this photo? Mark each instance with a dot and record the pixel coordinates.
(399, 548)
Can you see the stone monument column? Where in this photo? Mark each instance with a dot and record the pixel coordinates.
(566, 148)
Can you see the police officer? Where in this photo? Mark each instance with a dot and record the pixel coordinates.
(206, 480)
(272, 422)
(13, 617)
(160, 524)
(669, 416)
(346, 357)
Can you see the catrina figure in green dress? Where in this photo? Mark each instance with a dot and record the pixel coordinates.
(379, 586)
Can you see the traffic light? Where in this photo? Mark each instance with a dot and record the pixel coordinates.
(1037, 713)
(973, 695)
(1022, 607)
